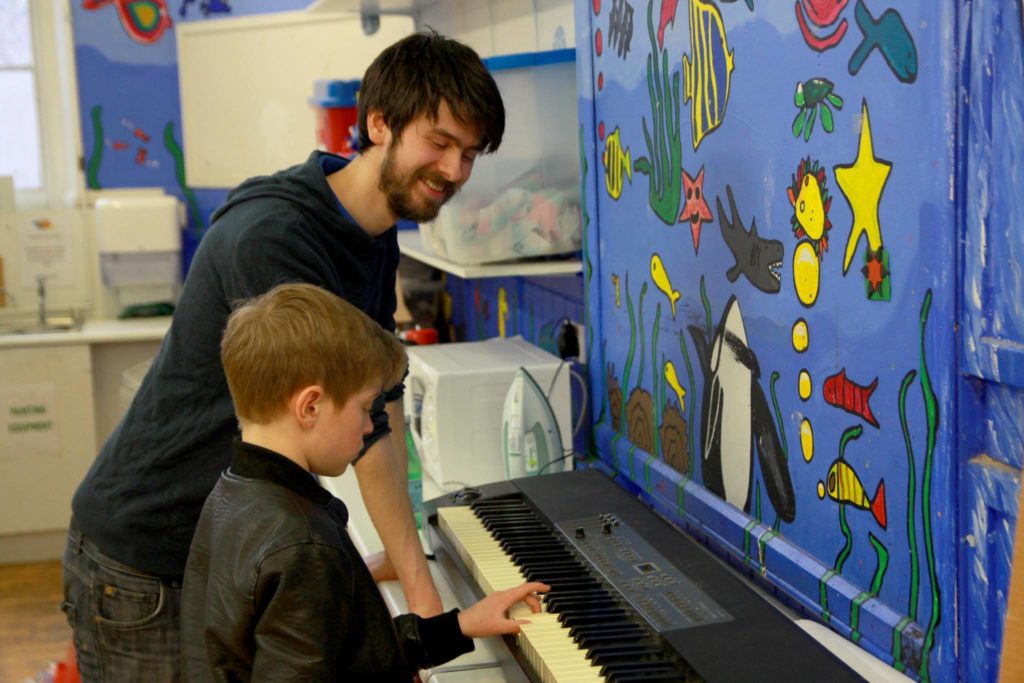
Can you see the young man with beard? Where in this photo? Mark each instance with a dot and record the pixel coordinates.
(427, 108)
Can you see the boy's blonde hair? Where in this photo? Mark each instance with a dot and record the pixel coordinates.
(298, 335)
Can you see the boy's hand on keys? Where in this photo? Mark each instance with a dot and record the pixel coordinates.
(489, 617)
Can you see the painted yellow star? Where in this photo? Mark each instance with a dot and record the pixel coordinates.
(862, 183)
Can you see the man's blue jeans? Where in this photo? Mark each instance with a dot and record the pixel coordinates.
(125, 621)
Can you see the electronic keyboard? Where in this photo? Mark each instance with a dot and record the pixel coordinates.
(632, 599)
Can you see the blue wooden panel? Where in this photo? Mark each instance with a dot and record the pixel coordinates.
(992, 349)
(990, 515)
(772, 265)
(993, 293)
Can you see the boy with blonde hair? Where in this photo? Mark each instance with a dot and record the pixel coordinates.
(274, 588)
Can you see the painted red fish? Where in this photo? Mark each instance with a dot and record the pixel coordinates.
(668, 16)
(850, 396)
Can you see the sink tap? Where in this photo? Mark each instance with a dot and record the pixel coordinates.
(41, 294)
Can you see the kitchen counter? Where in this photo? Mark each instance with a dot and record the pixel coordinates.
(78, 379)
(95, 332)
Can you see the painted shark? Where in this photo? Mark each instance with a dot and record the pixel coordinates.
(757, 258)
(736, 419)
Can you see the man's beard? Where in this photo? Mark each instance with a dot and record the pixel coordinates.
(399, 191)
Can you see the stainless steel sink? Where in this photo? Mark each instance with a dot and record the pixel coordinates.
(24, 324)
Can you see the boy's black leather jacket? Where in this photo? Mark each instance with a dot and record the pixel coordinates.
(274, 589)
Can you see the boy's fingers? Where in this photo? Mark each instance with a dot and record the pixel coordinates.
(520, 611)
(530, 588)
(533, 601)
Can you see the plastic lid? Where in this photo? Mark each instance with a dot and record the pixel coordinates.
(334, 93)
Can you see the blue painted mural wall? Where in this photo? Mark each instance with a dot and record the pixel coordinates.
(790, 214)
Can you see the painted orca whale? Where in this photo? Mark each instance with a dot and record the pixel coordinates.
(736, 419)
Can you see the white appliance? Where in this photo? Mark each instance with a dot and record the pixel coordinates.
(455, 397)
(138, 236)
(531, 441)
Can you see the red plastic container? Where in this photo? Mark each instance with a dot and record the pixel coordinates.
(337, 119)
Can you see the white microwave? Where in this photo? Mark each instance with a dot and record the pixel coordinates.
(454, 397)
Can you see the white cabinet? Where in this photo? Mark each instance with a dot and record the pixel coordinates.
(48, 437)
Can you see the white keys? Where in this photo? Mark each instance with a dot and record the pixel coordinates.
(545, 642)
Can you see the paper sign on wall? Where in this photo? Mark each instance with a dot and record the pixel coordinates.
(46, 248)
(29, 422)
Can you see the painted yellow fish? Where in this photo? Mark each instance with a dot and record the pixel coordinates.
(707, 72)
(616, 163)
(502, 311)
(661, 281)
(673, 381)
(618, 292)
(844, 486)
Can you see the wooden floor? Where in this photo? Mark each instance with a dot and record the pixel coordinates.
(33, 630)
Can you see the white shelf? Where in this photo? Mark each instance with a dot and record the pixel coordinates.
(411, 246)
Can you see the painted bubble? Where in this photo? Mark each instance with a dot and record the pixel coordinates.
(806, 269)
(804, 385)
(807, 439)
(821, 489)
(801, 336)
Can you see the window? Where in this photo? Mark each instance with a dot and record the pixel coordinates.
(38, 116)
(20, 143)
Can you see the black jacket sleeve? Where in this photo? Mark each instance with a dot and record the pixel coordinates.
(434, 641)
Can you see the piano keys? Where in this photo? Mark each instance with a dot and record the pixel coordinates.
(632, 599)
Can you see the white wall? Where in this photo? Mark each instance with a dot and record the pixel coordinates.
(499, 27)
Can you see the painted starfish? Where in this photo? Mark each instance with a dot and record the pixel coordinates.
(862, 183)
(695, 207)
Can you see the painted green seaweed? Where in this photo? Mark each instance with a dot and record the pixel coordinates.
(179, 174)
(915, 571)
(658, 382)
(92, 169)
(625, 372)
(639, 375)
(692, 402)
(681, 485)
(932, 415)
(666, 149)
(882, 554)
(848, 435)
(707, 307)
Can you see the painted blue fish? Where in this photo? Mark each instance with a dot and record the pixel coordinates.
(890, 35)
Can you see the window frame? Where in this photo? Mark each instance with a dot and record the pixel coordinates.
(56, 89)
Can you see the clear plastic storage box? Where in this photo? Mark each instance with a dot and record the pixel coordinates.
(523, 200)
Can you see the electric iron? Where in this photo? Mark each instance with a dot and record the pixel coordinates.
(530, 438)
